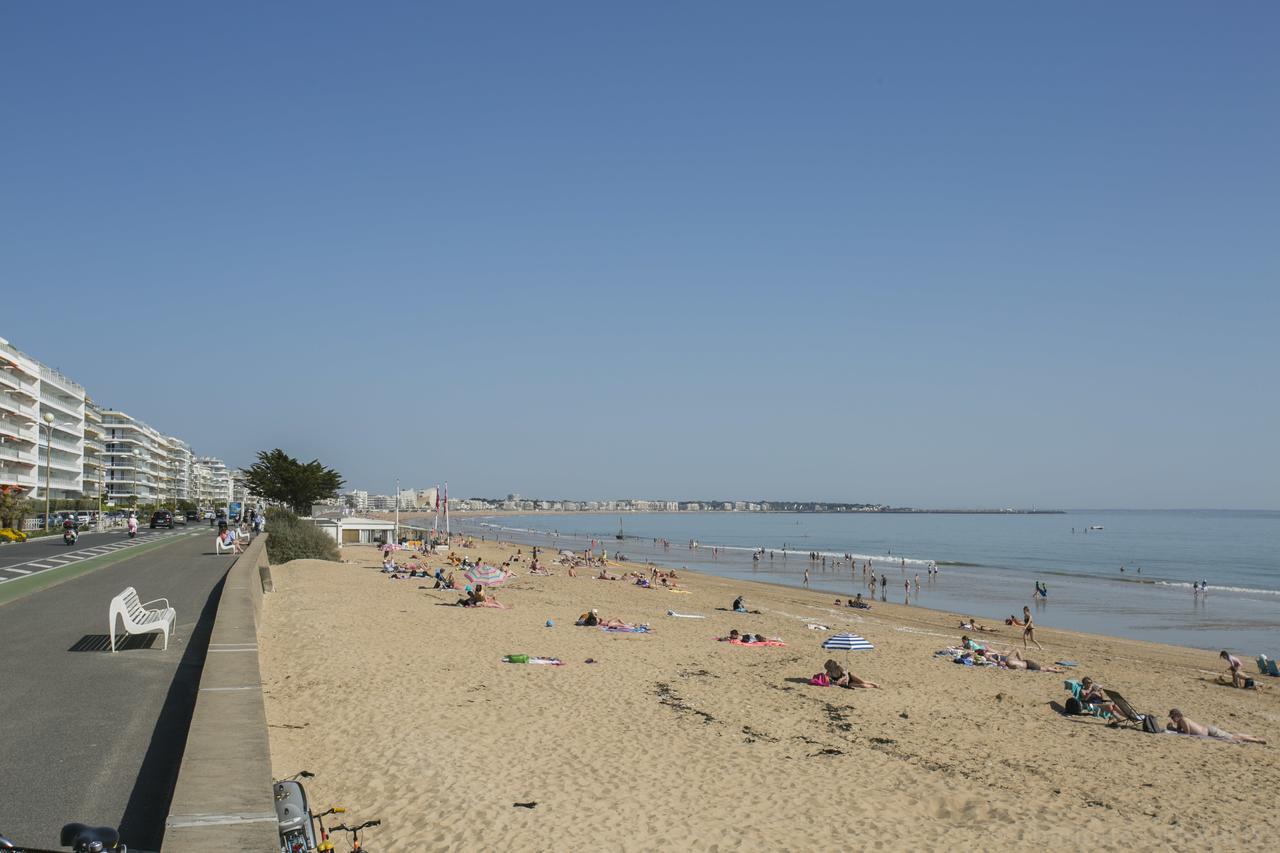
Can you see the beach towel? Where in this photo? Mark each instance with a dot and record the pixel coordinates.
(626, 629)
(533, 659)
(764, 643)
(679, 591)
(817, 627)
(685, 615)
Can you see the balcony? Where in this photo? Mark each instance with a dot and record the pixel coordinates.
(69, 409)
(10, 404)
(58, 481)
(65, 384)
(13, 454)
(62, 444)
(15, 384)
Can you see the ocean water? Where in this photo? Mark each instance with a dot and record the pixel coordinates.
(988, 564)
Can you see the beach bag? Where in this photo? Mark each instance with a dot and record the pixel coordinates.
(1074, 706)
(517, 658)
(1150, 724)
(820, 680)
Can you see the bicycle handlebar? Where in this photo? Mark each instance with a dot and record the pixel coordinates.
(367, 823)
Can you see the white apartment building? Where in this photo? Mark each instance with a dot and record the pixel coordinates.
(357, 499)
(62, 441)
(94, 477)
(19, 396)
(181, 462)
(35, 451)
(135, 460)
(215, 482)
(85, 449)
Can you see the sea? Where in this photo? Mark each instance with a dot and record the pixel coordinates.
(1127, 573)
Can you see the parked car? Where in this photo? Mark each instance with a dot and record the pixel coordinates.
(161, 518)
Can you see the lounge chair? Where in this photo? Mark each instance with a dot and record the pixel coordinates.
(1124, 707)
(1272, 669)
(1262, 665)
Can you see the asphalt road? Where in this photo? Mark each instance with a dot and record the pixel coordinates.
(93, 736)
(52, 547)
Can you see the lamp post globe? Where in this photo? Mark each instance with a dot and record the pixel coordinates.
(48, 463)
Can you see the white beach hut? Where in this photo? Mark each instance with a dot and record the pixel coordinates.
(356, 531)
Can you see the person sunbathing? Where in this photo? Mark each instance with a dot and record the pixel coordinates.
(859, 603)
(740, 606)
(733, 635)
(972, 625)
(1015, 660)
(1185, 726)
(589, 619)
(605, 576)
(841, 677)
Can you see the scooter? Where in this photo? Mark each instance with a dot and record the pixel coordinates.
(296, 822)
(69, 536)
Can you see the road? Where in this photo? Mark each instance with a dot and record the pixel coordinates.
(90, 735)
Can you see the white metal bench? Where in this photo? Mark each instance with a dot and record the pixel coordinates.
(138, 618)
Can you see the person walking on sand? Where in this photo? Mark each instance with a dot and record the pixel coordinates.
(1029, 629)
(806, 578)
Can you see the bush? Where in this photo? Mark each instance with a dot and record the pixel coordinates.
(290, 538)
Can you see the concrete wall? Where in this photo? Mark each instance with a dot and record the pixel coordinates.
(223, 799)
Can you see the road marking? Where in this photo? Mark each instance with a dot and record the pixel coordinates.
(229, 689)
(179, 821)
(59, 561)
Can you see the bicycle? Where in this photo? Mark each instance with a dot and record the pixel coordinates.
(79, 837)
(355, 832)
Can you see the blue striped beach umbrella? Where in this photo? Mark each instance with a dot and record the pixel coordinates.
(485, 575)
(846, 643)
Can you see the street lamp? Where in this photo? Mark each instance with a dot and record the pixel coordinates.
(48, 463)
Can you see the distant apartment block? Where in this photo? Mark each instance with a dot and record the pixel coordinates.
(52, 432)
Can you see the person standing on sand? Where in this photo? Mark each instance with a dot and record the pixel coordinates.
(1237, 673)
(806, 578)
(884, 586)
(1029, 629)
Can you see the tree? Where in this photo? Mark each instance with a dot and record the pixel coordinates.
(13, 507)
(278, 477)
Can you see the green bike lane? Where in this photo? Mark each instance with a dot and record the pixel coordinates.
(87, 734)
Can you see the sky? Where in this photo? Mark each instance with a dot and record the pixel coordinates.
(927, 254)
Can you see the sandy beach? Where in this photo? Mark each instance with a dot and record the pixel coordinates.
(403, 707)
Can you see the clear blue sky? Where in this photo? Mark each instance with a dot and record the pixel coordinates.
(934, 254)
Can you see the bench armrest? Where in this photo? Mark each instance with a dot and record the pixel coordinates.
(165, 600)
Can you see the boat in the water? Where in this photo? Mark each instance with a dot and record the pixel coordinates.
(619, 534)
(1096, 527)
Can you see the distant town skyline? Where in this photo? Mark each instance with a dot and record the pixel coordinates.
(942, 256)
